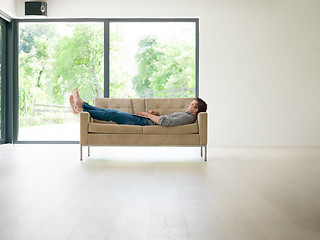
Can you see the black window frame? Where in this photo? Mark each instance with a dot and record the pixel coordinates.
(3, 56)
(15, 101)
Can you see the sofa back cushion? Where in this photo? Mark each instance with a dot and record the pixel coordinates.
(138, 105)
(122, 104)
(167, 105)
(163, 105)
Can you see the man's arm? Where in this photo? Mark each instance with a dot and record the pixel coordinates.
(154, 118)
(151, 116)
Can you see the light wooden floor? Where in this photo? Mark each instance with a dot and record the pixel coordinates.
(159, 193)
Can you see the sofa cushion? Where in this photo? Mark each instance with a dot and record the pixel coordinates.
(122, 104)
(114, 128)
(183, 129)
(167, 105)
(137, 105)
(102, 122)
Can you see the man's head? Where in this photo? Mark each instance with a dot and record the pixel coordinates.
(196, 106)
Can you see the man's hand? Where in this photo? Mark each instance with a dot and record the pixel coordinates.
(154, 112)
(151, 116)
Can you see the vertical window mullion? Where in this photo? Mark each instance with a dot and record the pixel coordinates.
(106, 59)
(197, 58)
(11, 85)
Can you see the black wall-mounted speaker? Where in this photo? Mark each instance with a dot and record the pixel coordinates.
(36, 8)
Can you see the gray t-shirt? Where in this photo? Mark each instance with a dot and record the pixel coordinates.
(175, 119)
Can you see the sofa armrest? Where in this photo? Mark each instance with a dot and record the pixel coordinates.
(84, 126)
(202, 124)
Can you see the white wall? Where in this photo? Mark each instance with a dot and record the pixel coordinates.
(259, 63)
(8, 8)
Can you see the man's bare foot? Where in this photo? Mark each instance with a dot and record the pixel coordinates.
(80, 110)
(75, 109)
(72, 104)
(77, 99)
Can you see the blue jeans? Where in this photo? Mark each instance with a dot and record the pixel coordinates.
(114, 116)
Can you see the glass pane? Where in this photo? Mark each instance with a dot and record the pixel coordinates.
(152, 59)
(53, 59)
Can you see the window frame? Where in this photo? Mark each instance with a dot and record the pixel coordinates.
(106, 22)
(3, 56)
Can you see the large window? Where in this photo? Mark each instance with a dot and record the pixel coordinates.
(152, 59)
(104, 58)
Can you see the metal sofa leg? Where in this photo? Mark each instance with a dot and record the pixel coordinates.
(80, 152)
(205, 153)
(201, 150)
(88, 151)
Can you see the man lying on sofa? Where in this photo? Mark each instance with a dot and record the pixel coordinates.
(143, 119)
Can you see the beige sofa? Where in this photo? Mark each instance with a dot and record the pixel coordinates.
(98, 133)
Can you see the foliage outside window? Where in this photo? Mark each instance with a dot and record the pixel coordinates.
(53, 59)
(152, 59)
